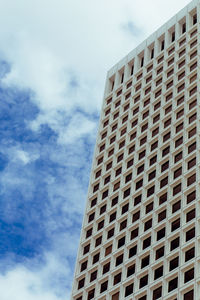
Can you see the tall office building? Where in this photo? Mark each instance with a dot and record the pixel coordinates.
(141, 232)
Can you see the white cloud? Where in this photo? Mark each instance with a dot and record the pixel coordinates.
(36, 282)
(51, 42)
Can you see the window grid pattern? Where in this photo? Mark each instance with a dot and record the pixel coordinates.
(140, 232)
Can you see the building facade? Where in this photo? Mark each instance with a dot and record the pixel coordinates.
(141, 231)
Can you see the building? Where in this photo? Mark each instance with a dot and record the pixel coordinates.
(141, 234)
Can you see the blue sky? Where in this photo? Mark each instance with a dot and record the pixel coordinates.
(54, 56)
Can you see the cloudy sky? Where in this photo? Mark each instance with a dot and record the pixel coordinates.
(54, 55)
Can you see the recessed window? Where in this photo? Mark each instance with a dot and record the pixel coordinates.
(131, 270)
(93, 276)
(119, 260)
(129, 290)
(173, 264)
(158, 273)
(108, 250)
(147, 224)
(161, 234)
(157, 294)
(173, 284)
(162, 215)
(149, 207)
(160, 252)
(189, 295)
(174, 243)
(191, 197)
(145, 262)
(189, 254)
(176, 206)
(81, 283)
(123, 225)
(143, 281)
(96, 258)
(146, 243)
(134, 233)
(189, 275)
(175, 224)
(153, 160)
(117, 278)
(190, 234)
(104, 286)
(132, 251)
(110, 233)
(121, 242)
(84, 266)
(190, 215)
(91, 294)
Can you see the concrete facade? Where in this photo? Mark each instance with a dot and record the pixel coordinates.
(141, 230)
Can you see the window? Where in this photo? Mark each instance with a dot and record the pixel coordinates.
(91, 217)
(175, 224)
(179, 142)
(121, 242)
(130, 163)
(147, 224)
(149, 207)
(86, 249)
(191, 197)
(163, 182)
(177, 189)
(104, 286)
(119, 260)
(88, 233)
(93, 276)
(146, 243)
(145, 262)
(178, 157)
(160, 252)
(176, 206)
(81, 283)
(173, 284)
(158, 273)
(165, 151)
(157, 294)
(161, 234)
(113, 216)
(127, 192)
(91, 294)
(125, 208)
(142, 154)
(132, 251)
(137, 200)
(117, 278)
(143, 281)
(102, 209)
(118, 171)
(190, 234)
(162, 198)
(189, 275)
(189, 254)
(189, 295)
(134, 233)
(174, 244)
(162, 215)
(129, 290)
(177, 172)
(173, 36)
(98, 241)
(173, 264)
(190, 215)
(191, 179)
(165, 166)
(108, 250)
(167, 123)
(136, 216)
(110, 233)
(191, 147)
(100, 225)
(139, 184)
(131, 270)
(96, 258)
(150, 191)
(84, 266)
(153, 160)
(183, 27)
(140, 169)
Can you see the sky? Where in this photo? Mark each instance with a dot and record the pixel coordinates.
(54, 56)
